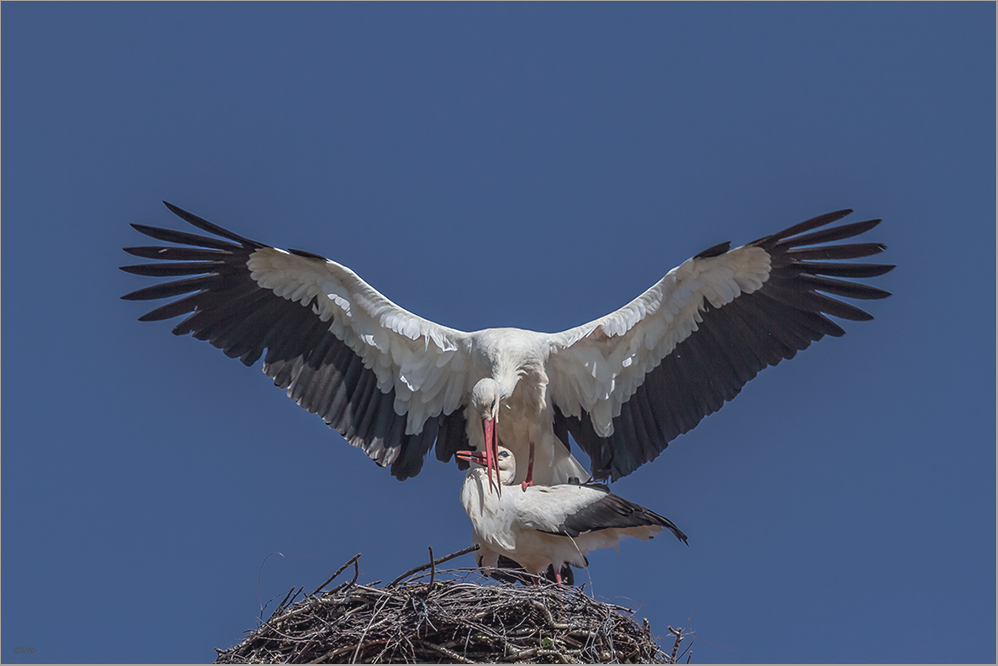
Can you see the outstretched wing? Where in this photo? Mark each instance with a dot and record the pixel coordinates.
(626, 385)
(389, 381)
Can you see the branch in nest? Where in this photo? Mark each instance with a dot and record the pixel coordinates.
(353, 561)
(424, 567)
(458, 617)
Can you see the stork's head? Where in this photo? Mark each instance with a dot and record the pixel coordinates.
(485, 400)
(505, 463)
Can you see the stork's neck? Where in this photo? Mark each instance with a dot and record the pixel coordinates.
(480, 476)
(479, 500)
(515, 359)
(525, 388)
(507, 378)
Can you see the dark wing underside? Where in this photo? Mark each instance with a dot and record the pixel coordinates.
(734, 342)
(226, 307)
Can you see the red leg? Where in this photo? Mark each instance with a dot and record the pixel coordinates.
(530, 470)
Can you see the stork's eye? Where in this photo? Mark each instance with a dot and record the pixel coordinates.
(504, 454)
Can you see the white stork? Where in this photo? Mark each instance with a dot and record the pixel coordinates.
(548, 525)
(624, 386)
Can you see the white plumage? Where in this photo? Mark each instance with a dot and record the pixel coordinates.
(625, 385)
(544, 526)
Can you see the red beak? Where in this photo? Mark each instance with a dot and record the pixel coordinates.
(476, 457)
(492, 452)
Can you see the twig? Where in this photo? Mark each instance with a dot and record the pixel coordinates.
(433, 570)
(356, 573)
(547, 615)
(424, 567)
(689, 649)
(286, 597)
(678, 633)
(259, 575)
(343, 650)
(384, 602)
(450, 654)
(352, 560)
(540, 652)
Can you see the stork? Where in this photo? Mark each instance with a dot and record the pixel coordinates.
(623, 386)
(548, 526)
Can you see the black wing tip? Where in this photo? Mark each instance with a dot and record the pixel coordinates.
(144, 228)
(307, 255)
(176, 210)
(816, 237)
(678, 533)
(134, 295)
(185, 215)
(152, 316)
(205, 225)
(826, 218)
(806, 225)
(714, 251)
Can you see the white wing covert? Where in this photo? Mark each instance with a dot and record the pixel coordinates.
(627, 384)
(576, 509)
(389, 381)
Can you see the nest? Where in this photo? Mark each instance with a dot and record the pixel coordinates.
(446, 617)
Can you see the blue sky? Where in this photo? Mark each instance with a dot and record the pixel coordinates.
(488, 165)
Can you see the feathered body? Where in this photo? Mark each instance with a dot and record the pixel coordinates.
(515, 363)
(543, 526)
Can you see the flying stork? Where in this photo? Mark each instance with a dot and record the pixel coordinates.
(548, 526)
(624, 386)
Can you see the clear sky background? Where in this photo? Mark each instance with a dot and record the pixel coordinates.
(493, 165)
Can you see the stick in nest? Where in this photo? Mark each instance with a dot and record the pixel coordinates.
(458, 616)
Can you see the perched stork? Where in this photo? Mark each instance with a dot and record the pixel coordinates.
(624, 386)
(548, 526)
